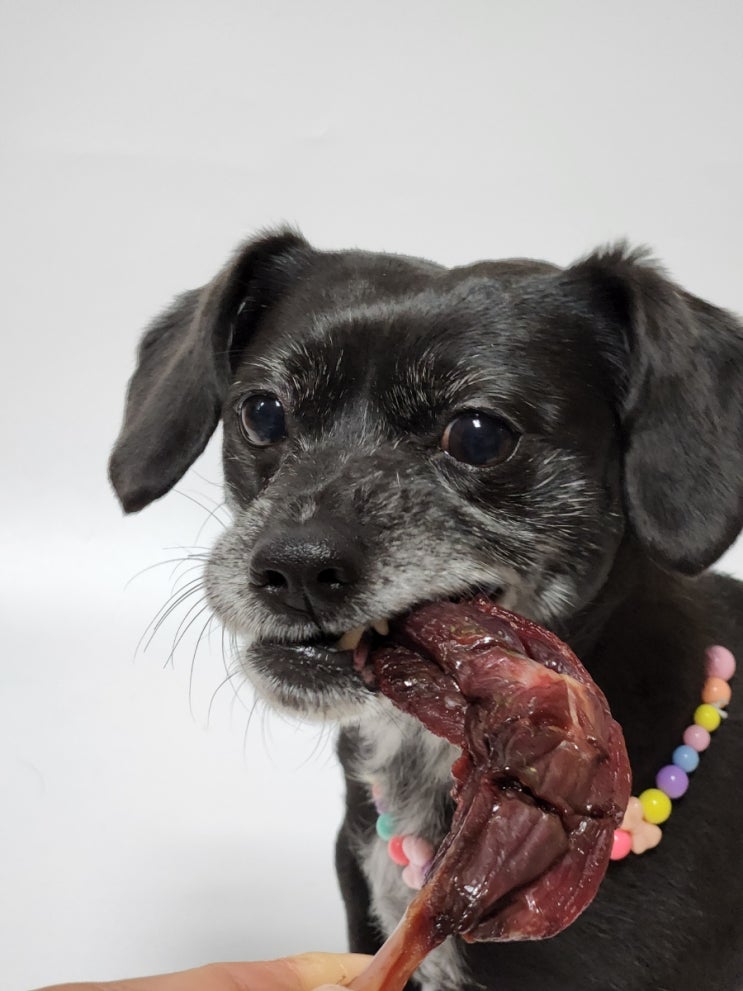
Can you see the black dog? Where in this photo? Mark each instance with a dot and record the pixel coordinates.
(568, 441)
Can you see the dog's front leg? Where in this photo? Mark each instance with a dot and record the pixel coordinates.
(363, 935)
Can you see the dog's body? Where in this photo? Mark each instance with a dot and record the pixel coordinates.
(595, 468)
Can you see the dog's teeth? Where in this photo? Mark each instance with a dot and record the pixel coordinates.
(350, 640)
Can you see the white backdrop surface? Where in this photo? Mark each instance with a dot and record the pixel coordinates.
(146, 822)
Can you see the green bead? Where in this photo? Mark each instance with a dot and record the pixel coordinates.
(386, 826)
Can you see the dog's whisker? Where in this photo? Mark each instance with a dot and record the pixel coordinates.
(208, 481)
(166, 610)
(153, 626)
(190, 583)
(188, 571)
(211, 513)
(195, 651)
(189, 547)
(204, 629)
(266, 739)
(223, 633)
(160, 564)
(310, 758)
(235, 672)
(223, 683)
(255, 707)
(322, 739)
(174, 600)
(218, 504)
(197, 608)
(231, 647)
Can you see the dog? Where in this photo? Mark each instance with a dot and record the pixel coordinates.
(568, 442)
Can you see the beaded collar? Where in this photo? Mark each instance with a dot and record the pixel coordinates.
(640, 829)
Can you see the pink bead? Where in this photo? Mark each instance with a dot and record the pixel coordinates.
(716, 691)
(395, 850)
(418, 851)
(622, 844)
(697, 737)
(720, 663)
(378, 798)
(413, 877)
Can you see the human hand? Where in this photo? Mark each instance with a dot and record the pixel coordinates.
(307, 972)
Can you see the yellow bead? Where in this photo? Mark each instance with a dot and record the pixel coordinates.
(708, 717)
(656, 805)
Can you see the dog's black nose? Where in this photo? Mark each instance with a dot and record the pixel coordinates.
(308, 567)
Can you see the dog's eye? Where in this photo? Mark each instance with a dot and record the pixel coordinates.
(479, 439)
(262, 420)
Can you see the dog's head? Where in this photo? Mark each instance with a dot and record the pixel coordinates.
(397, 432)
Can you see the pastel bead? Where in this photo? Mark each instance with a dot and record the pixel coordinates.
(716, 691)
(656, 805)
(378, 798)
(673, 779)
(685, 758)
(720, 663)
(633, 815)
(395, 850)
(413, 877)
(418, 851)
(697, 737)
(385, 826)
(646, 837)
(622, 844)
(707, 716)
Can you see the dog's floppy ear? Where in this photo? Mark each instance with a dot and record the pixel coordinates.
(676, 365)
(184, 362)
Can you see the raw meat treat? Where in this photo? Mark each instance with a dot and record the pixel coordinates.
(540, 787)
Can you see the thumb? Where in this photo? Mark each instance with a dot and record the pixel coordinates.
(315, 971)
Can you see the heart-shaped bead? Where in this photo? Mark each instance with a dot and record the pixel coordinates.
(644, 834)
(645, 837)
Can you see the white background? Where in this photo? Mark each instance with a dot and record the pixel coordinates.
(140, 142)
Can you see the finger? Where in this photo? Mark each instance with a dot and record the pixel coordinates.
(305, 972)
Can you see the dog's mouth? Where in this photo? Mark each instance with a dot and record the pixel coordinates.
(353, 649)
(364, 641)
(349, 650)
(330, 675)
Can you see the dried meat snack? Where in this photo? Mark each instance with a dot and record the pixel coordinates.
(542, 782)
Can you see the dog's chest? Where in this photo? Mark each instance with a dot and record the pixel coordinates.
(411, 768)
